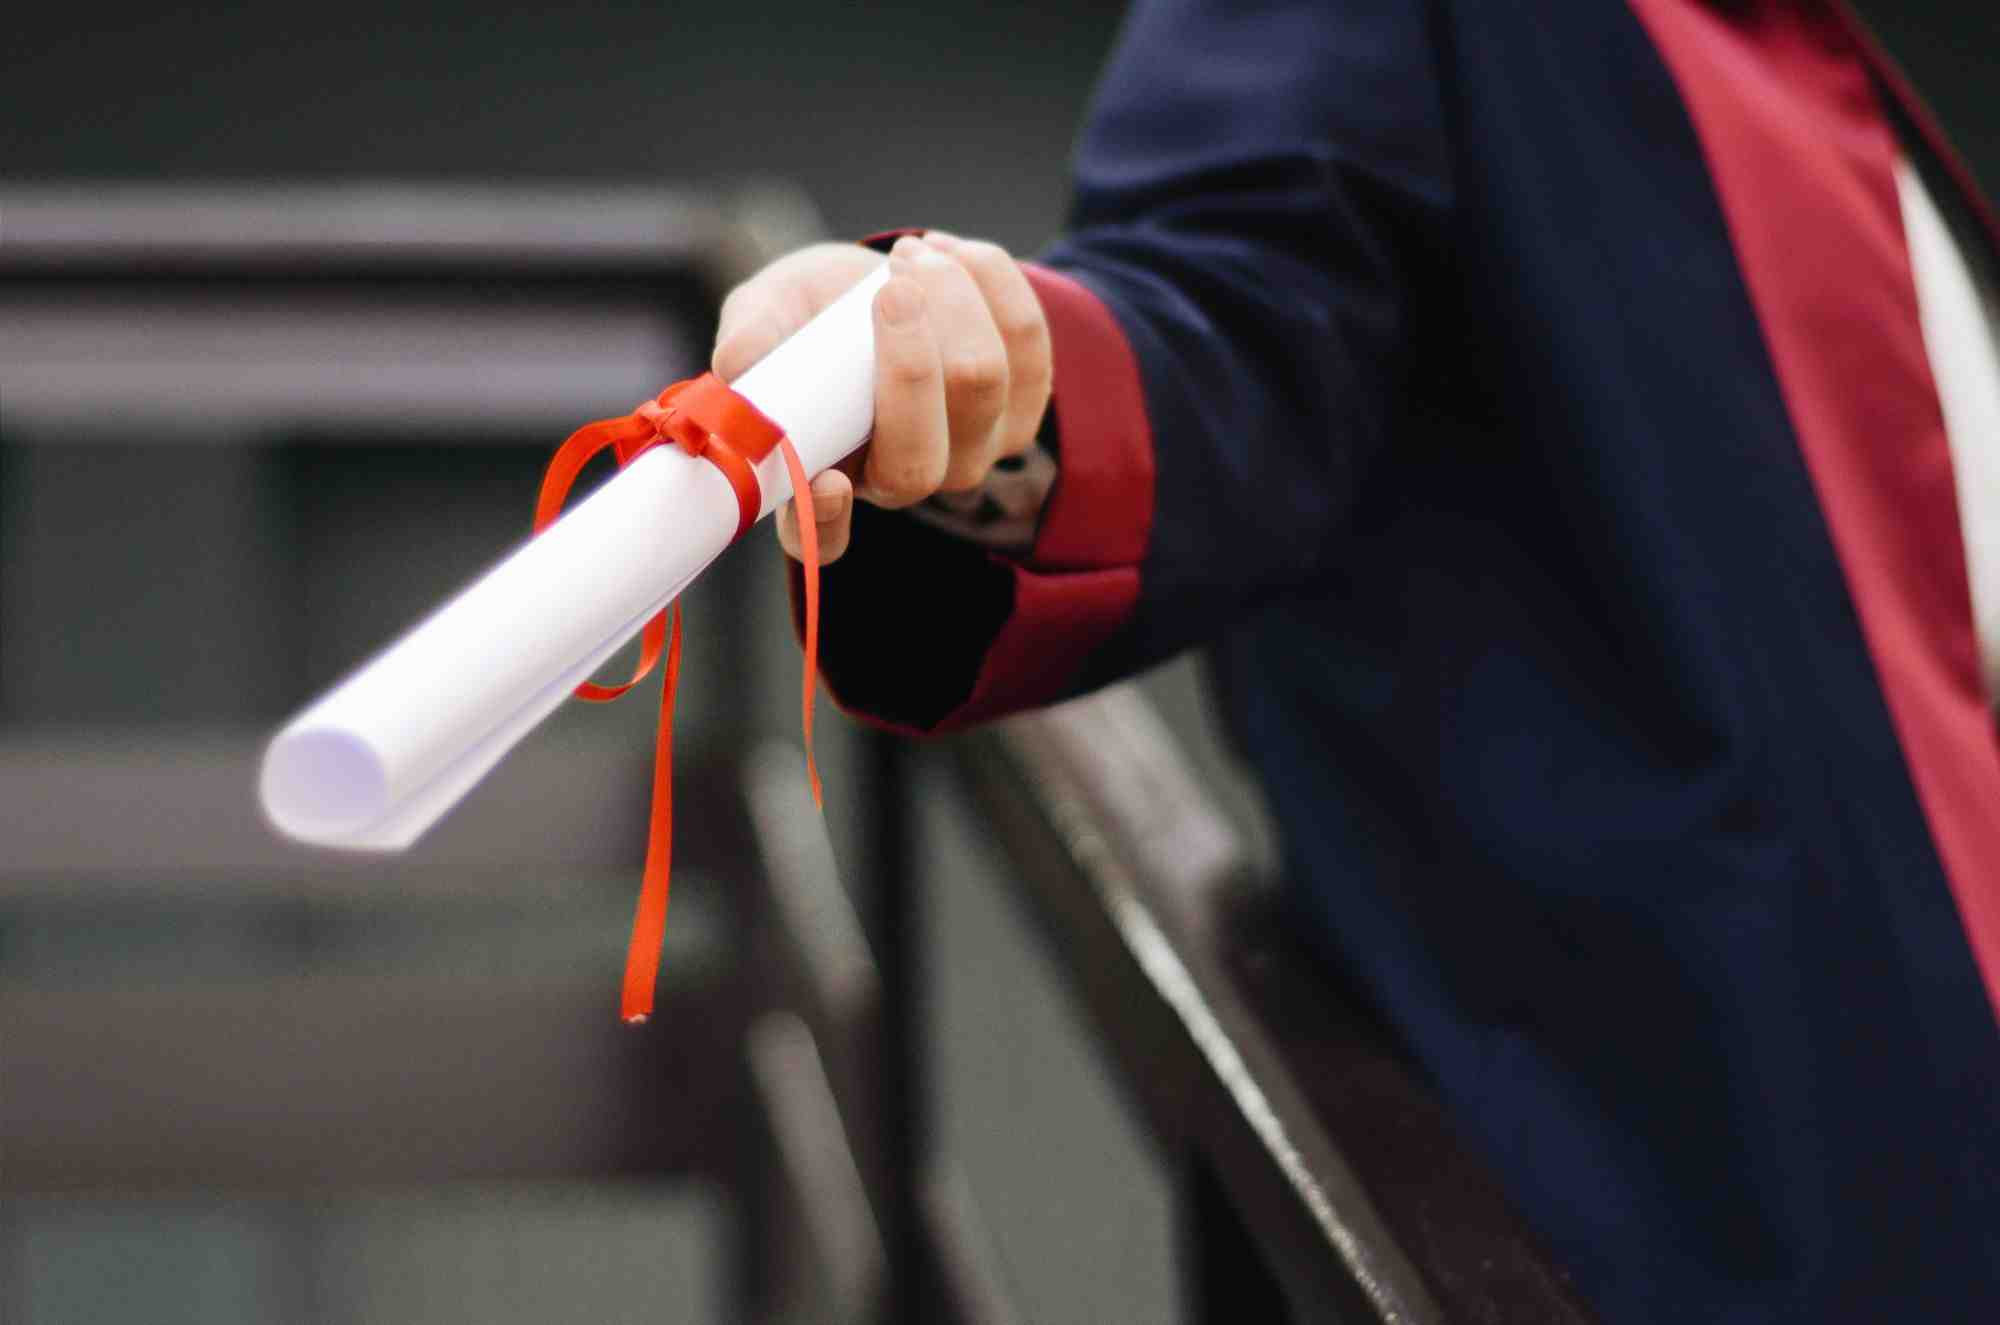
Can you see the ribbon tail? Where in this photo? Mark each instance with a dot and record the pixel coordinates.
(697, 415)
(649, 925)
(809, 547)
(651, 641)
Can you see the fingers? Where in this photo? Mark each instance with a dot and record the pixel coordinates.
(1023, 330)
(833, 517)
(911, 445)
(963, 366)
(973, 356)
(780, 299)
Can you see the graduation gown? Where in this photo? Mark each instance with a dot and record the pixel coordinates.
(1527, 406)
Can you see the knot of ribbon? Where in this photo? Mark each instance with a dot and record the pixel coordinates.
(709, 421)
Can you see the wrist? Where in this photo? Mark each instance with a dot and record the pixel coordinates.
(1004, 513)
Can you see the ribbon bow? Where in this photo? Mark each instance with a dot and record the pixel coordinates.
(709, 421)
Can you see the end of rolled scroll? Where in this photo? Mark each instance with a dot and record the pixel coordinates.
(321, 786)
(637, 1018)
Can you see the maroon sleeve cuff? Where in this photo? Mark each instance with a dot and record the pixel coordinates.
(1101, 511)
(1080, 582)
(1073, 590)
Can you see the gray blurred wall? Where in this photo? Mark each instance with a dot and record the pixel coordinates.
(956, 115)
(951, 114)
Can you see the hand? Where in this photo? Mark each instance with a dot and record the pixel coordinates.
(962, 367)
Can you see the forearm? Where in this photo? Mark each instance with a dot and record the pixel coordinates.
(1229, 318)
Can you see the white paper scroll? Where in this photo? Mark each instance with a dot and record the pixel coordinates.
(384, 755)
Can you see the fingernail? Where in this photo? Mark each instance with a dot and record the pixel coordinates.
(941, 237)
(909, 246)
(902, 302)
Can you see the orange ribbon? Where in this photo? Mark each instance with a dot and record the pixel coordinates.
(709, 421)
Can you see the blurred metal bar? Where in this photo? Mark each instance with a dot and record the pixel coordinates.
(969, 1286)
(894, 897)
(812, 960)
(239, 364)
(78, 227)
(811, 915)
(204, 313)
(822, 1184)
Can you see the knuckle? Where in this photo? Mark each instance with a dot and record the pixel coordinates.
(751, 300)
(731, 343)
(970, 467)
(1021, 324)
(732, 303)
(908, 482)
(731, 307)
(1020, 438)
(930, 471)
(977, 379)
(826, 251)
(904, 470)
(1034, 378)
(984, 256)
(965, 476)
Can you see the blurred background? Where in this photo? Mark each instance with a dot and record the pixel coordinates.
(296, 302)
(240, 1082)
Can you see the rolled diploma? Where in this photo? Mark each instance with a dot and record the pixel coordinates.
(390, 750)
